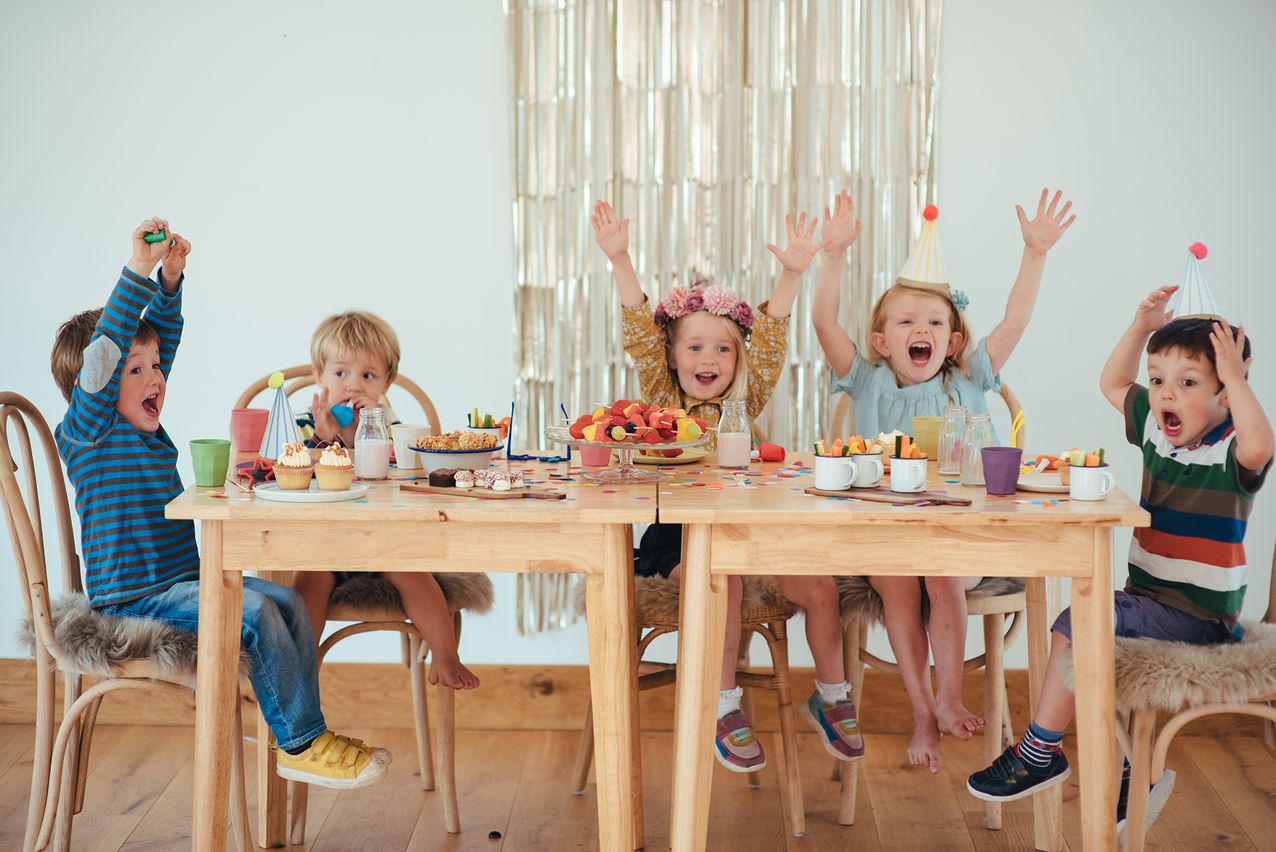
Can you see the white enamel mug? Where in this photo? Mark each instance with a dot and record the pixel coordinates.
(869, 469)
(908, 475)
(1090, 483)
(834, 473)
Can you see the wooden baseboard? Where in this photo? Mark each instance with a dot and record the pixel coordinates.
(542, 698)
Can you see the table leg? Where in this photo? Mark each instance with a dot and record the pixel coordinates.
(221, 605)
(701, 636)
(1047, 807)
(613, 678)
(1093, 656)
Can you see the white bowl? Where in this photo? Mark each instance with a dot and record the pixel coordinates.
(466, 459)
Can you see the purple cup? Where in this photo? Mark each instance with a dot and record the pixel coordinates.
(1001, 469)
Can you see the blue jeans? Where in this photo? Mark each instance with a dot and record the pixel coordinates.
(277, 638)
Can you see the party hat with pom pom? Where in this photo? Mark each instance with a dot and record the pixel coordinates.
(925, 266)
(281, 427)
(1194, 298)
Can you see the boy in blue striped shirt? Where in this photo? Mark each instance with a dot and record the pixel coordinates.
(112, 365)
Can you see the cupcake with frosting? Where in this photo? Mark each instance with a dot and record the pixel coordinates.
(293, 468)
(335, 470)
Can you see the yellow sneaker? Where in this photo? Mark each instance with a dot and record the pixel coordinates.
(332, 760)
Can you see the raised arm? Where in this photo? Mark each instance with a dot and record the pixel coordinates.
(794, 260)
(97, 386)
(1039, 235)
(841, 228)
(1122, 368)
(165, 311)
(1254, 441)
(612, 236)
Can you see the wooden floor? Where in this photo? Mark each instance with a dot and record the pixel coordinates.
(139, 797)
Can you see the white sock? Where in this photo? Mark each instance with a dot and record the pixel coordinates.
(831, 693)
(729, 700)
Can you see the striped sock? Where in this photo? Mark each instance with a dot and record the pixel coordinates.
(1039, 746)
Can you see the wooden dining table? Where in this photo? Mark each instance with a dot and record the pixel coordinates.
(761, 521)
(589, 532)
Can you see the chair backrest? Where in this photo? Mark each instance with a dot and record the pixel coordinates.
(842, 423)
(22, 510)
(302, 376)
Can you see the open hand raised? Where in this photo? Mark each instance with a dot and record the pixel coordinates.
(797, 255)
(612, 235)
(1044, 230)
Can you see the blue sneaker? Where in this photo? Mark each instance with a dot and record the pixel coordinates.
(1010, 777)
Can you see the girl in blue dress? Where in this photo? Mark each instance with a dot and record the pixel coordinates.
(921, 359)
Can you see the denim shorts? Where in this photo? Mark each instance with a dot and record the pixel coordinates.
(1138, 616)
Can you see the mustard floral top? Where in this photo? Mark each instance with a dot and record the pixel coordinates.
(645, 343)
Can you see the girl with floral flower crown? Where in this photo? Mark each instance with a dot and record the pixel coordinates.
(701, 346)
(920, 360)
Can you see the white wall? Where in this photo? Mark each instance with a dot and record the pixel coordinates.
(321, 156)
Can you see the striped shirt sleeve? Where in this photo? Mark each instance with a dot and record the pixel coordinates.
(97, 386)
(165, 315)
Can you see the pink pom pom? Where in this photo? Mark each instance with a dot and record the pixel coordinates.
(1198, 250)
(931, 213)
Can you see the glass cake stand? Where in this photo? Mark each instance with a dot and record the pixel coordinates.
(625, 472)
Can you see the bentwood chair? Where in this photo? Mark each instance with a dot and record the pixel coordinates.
(67, 634)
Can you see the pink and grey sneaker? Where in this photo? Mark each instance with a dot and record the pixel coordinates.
(837, 726)
(735, 746)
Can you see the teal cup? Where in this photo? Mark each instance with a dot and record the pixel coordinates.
(211, 459)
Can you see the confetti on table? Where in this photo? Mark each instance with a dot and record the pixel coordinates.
(953, 481)
(220, 495)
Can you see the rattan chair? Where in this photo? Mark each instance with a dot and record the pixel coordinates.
(762, 611)
(121, 653)
(372, 603)
(1187, 682)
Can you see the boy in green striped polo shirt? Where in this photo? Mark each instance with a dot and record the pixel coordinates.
(1207, 446)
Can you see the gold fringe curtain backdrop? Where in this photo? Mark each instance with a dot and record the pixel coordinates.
(705, 122)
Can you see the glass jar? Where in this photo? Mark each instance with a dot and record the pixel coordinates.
(735, 440)
(948, 444)
(978, 434)
(372, 445)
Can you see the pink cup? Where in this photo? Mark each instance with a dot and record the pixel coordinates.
(595, 456)
(248, 427)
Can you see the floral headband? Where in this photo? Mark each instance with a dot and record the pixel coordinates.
(716, 299)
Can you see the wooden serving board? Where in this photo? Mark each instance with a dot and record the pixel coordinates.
(486, 493)
(885, 495)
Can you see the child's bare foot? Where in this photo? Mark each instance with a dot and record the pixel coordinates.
(923, 750)
(454, 675)
(955, 719)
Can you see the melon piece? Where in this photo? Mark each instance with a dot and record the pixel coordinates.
(599, 413)
(688, 430)
(670, 454)
(617, 433)
(619, 406)
(592, 432)
(651, 437)
(577, 430)
(1091, 459)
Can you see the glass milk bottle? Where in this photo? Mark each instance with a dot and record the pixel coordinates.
(978, 435)
(735, 441)
(948, 444)
(372, 445)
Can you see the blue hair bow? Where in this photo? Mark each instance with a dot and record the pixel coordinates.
(960, 300)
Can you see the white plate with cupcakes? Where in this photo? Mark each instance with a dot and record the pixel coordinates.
(314, 494)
